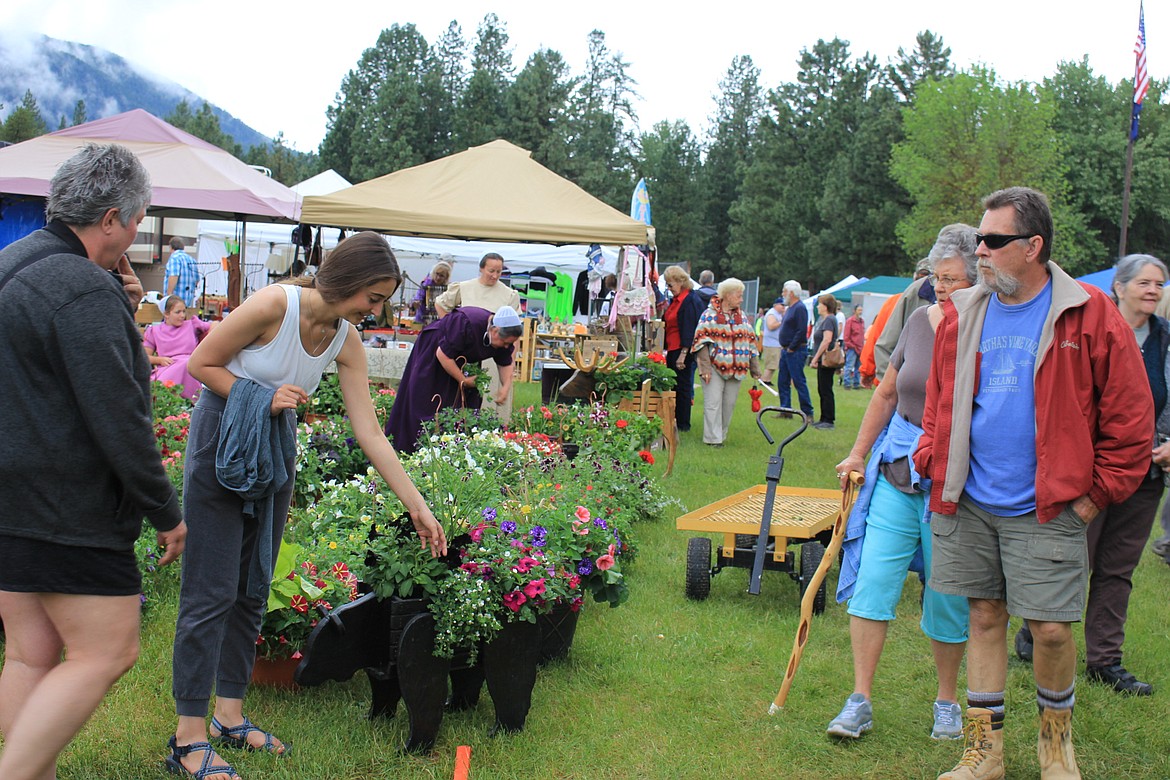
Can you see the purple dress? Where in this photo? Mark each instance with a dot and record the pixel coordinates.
(178, 344)
(426, 387)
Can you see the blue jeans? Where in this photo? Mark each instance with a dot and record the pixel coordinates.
(792, 370)
(851, 376)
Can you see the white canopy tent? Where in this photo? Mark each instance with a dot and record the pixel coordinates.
(269, 250)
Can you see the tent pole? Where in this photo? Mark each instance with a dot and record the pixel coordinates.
(243, 259)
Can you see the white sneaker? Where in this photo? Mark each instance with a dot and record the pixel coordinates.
(855, 718)
(948, 721)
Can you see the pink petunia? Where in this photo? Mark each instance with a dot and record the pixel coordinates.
(605, 562)
(582, 514)
(514, 600)
(534, 588)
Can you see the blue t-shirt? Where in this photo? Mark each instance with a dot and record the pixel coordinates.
(1002, 479)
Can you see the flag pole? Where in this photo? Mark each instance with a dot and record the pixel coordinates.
(1125, 196)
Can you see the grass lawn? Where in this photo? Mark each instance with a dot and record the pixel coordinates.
(668, 688)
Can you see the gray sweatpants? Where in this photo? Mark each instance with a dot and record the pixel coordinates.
(215, 635)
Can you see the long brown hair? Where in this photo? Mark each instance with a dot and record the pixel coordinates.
(354, 264)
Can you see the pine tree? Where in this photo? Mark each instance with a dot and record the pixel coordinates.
(25, 121)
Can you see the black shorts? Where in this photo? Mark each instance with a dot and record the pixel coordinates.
(35, 566)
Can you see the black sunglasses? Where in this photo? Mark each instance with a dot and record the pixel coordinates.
(995, 240)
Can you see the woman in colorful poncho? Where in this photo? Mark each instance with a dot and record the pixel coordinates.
(725, 349)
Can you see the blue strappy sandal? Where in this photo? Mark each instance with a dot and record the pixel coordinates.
(206, 768)
(237, 737)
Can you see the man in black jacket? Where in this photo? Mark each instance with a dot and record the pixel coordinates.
(78, 465)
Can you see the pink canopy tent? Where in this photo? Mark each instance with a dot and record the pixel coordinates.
(191, 177)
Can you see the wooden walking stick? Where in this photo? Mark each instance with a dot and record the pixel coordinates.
(856, 479)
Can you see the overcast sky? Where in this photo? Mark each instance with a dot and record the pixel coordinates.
(277, 66)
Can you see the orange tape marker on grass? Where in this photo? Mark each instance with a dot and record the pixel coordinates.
(462, 762)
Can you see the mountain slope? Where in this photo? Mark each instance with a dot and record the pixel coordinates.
(59, 73)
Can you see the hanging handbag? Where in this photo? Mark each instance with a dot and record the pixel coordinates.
(833, 358)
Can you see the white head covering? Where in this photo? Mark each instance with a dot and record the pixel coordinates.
(506, 317)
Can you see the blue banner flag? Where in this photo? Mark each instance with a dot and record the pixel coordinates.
(640, 203)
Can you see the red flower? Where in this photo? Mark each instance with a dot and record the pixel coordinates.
(646, 456)
(340, 570)
(534, 588)
(514, 600)
(524, 564)
(575, 605)
(657, 357)
(301, 604)
(322, 584)
(622, 423)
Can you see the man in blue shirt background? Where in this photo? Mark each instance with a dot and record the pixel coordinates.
(794, 350)
(182, 273)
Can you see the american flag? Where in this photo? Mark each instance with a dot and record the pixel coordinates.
(1141, 78)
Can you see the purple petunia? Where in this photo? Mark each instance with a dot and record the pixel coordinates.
(372, 488)
(489, 514)
(508, 526)
(585, 567)
(538, 534)
(600, 522)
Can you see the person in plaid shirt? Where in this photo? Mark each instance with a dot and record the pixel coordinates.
(182, 273)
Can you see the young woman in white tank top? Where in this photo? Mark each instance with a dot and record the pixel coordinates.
(282, 337)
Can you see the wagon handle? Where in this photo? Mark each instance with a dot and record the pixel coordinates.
(856, 480)
(781, 410)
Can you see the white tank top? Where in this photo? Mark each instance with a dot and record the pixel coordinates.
(284, 361)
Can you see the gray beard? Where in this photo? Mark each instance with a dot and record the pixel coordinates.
(1001, 283)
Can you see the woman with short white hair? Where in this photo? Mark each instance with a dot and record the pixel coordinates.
(725, 349)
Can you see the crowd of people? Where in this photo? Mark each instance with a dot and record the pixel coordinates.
(1015, 449)
(1018, 445)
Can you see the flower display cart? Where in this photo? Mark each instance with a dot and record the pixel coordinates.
(394, 641)
(653, 403)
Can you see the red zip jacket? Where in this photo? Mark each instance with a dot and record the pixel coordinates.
(1094, 409)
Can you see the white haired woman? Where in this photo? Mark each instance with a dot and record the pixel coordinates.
(725, 349)
(888, 531)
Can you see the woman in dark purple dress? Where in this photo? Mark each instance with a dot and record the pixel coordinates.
(434, 379)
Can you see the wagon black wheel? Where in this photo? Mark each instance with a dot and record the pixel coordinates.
(698, 568)
(810, 558)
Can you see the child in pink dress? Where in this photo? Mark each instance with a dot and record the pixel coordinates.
(170, 342)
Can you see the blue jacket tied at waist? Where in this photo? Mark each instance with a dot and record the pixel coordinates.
(250, 461)
(899, 439)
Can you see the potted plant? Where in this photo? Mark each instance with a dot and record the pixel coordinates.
(304, 589)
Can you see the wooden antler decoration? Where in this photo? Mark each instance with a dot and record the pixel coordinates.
(855, 480)
(579, 363)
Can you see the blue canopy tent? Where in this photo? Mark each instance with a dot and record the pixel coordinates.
(1102, 279)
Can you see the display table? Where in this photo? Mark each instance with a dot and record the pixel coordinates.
(383, 364)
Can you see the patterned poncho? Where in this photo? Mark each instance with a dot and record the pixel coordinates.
(730, 337)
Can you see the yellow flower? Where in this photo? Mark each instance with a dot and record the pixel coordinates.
(333, 545)
(526, 509)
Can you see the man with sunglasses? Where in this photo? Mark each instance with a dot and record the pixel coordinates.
(1035, 376)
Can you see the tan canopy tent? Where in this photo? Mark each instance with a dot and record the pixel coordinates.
(492, 192)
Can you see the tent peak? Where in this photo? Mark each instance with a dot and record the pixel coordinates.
(500, 145)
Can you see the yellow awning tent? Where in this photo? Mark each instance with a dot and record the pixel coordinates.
(494, 192)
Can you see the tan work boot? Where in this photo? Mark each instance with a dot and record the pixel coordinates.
(1055, 748)
(982, 751)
